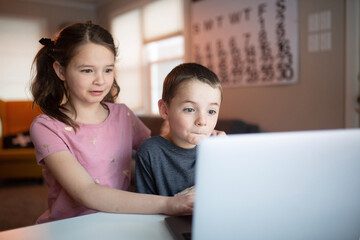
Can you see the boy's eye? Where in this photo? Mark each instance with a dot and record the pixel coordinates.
(189, 110)
(212, 112)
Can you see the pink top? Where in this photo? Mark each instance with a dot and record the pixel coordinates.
(104, 150)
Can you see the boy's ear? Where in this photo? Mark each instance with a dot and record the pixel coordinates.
(59, 70)
(163, 109)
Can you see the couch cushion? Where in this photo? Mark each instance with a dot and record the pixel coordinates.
(20, 140)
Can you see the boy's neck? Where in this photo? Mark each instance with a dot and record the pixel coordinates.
(169, 138)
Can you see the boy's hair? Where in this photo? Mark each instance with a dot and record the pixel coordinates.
(48, 90)
(185, 72)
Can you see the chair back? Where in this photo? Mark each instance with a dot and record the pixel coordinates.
(16, 116)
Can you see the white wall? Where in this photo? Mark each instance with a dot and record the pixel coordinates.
(317, 100)
(15, 79)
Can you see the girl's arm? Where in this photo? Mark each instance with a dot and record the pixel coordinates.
(82, 188)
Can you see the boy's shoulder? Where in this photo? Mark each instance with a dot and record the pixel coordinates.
(153, 144)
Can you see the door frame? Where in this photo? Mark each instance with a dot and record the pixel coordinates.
(352, 64)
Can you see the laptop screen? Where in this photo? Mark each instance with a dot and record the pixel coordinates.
(290, 185)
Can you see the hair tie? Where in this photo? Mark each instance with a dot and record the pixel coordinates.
(47, 42)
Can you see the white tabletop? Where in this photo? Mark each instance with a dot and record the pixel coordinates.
(99, 226)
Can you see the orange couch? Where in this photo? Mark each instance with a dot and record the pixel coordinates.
(16, 117)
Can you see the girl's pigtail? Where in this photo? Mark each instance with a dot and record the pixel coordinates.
(47, 89)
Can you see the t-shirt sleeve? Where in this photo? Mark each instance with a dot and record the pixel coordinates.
(140, 131)
(144, 180)
(46, 139)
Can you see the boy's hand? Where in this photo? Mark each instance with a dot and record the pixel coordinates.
(218, 133)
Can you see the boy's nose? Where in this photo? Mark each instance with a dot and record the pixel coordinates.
(200, 120)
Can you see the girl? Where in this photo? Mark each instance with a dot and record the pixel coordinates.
(83, 139)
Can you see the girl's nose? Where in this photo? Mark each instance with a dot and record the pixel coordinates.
(99, 79)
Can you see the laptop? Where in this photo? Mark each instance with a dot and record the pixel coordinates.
(288, 185)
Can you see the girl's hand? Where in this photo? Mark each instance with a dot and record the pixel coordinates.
(181, 204)
(217, 133)
(187, 190)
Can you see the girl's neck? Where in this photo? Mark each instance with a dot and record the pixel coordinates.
(89, 114)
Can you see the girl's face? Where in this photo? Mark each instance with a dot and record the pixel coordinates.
(89, 75)
(192, 113)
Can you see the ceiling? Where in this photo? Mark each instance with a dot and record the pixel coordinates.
(95, 2)
(74, 3)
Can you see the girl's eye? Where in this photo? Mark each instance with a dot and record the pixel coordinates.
(189, 110)
(86, 70)
(108, 70)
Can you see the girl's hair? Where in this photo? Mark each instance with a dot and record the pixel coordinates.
(48, 90)
(185, 72)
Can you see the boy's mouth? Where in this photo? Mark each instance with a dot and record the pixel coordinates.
(200, 133)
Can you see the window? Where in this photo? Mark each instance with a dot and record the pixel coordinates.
(154, 14)
(149, 48)
(19, 43)
(162, 56)
(127, 33)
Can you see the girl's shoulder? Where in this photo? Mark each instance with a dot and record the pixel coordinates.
(44, 123)
(119, 109)
(46, 120)
(116, 106)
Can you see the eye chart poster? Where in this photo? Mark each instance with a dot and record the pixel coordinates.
(248, 42)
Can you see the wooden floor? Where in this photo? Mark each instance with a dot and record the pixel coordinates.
(21, 203)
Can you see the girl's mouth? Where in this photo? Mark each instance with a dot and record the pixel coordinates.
(96, 93)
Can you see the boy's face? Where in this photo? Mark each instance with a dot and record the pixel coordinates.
(192, 113)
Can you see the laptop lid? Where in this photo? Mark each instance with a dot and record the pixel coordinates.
(291, 185)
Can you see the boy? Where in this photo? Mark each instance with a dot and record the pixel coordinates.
(165, 165)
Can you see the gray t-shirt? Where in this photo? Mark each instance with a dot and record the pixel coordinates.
(163, 168)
